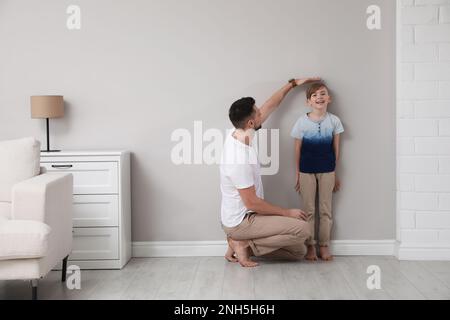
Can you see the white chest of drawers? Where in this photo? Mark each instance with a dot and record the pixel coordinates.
(101, 205)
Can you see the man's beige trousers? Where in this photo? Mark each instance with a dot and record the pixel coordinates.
(272, 236)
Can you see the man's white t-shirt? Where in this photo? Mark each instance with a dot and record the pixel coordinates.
(239, 169)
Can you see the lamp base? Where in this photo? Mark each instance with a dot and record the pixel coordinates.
(48, 138)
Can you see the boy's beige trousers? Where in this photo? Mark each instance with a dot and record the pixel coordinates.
(272, 236)
(309, 184)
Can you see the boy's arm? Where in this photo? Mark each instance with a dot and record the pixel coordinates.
(336, 145)
(274, 101)
(298, 148)
(336, 142)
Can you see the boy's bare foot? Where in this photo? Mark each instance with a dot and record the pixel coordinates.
(242, 248)
(325, 254)
(229, 255)
(311, 253)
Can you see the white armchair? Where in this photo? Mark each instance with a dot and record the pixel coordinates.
(35, 214)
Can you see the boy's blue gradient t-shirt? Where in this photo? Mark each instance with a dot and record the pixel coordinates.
(317, 153)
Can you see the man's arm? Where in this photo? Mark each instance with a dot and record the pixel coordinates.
(274, 101)
(260, 206)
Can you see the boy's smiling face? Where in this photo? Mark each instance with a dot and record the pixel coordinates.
(319, 99)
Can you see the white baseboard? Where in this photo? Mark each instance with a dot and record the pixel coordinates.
(150, 249)
(430, 251)
(363, 247)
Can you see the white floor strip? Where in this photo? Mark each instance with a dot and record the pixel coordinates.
(217, 248)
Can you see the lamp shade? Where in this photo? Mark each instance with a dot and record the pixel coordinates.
(47, 106)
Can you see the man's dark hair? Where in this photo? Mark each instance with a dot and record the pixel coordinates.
(240, 111)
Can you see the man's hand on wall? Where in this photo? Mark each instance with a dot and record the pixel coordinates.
(302, 81)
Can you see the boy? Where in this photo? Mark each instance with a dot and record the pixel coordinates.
(316, 154)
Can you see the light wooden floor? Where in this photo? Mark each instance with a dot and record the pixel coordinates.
(214, 278)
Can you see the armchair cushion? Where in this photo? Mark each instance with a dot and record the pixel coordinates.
(19, 160)
(23, 239)
(47, 198)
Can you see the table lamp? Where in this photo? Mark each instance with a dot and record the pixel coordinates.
(46, 107)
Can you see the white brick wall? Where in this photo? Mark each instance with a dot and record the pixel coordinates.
(420, 15)
(432, 71)
(444, 89)
(430, 109)
(418, 165)
(432, 146)
(423, 125)
(428, 2)
(444, 14)
(444, 202)
(417, 128)
(420, 52)
(444, 52)
(432, 34)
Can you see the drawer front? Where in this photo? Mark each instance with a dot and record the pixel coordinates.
(100, 210)
(89, 177)
(95, 244)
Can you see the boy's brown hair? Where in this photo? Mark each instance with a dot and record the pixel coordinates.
(316, 86)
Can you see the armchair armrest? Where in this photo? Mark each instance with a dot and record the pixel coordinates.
(43, 196)
(47, 198)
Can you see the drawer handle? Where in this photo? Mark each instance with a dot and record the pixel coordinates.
(61, 166)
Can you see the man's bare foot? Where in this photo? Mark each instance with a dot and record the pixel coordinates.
(311, 253)
(325, 254)
(242, 248)
(229, 255)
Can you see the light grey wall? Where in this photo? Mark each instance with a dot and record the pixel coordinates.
(137, 70)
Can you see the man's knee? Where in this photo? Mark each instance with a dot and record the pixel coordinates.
(297, 256)
(299, 252)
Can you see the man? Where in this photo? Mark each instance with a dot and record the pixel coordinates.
(254, 226)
